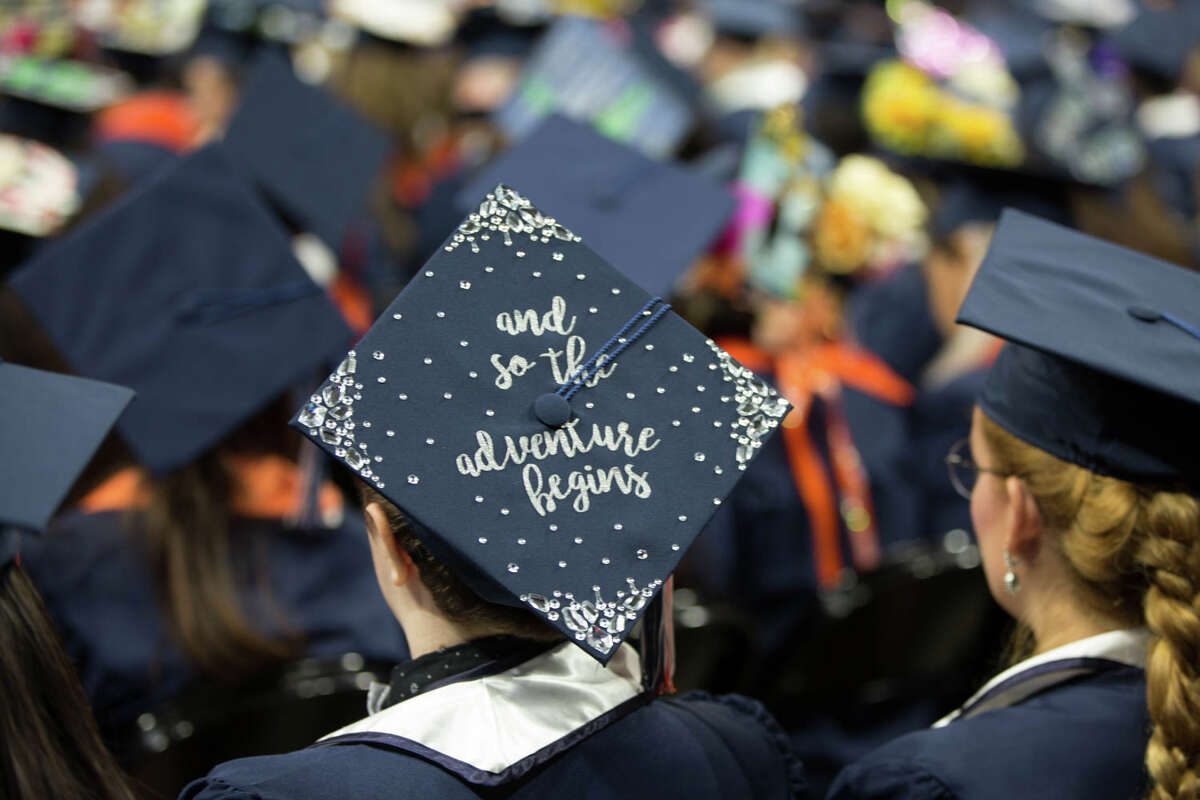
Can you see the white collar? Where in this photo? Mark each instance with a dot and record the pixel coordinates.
(491, 723)
(1127, 647)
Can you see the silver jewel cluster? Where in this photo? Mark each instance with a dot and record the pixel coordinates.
(759, 407)
(329, 416)
(506, 212)
(599, 623)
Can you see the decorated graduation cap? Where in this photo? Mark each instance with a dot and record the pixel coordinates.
(186, 291)
(50, 425)
(650, 218)
(608, 73)
(554, 434)
(311, 156)
(1102, 368)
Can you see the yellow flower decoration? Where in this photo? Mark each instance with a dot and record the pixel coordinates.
(906, 111)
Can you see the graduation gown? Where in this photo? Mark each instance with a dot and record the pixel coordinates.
(1071, 722)
(98, 590)
(556, 725)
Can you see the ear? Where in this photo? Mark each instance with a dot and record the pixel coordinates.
(1025, 520)
(385, 549)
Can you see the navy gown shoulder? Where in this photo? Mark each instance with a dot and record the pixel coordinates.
(693, 748)
(1085, 738)
(96, 583)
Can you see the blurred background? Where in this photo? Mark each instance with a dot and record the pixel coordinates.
(813, 182)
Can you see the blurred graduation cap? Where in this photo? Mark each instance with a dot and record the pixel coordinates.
(650, 219)
(554, 434)
(754, 19)
(1102, 368)
(1175, 171)
(148, 27)
(312, 157)
(416, 22)
(186, 291)
(483, 32)
(979, 195)
(608, 73)
(50, 426)
(39, 187)
(1158, 41)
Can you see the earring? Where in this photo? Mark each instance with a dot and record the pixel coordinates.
(1011, 581)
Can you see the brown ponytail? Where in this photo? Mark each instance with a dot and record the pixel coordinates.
(1136, 556)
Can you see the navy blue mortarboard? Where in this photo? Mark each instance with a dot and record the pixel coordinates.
(650, 218)
(754, 18)
(134, 161)
(554, 434)
(1158, 41)
(1102, 368)
(186, 291)
(50, 426)
(1175, 167)
(608, 74)
(971, 194)
(313, 157)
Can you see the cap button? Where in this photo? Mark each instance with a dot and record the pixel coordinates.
(552, 409)
(1144, 314)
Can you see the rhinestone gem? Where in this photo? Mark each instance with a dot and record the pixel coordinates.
(377, 355)
(513, 567)
(333, 394)
(483, 540)
(312, 415)
(642, 554)
(464, 284)
(414, 480)
(699, 456)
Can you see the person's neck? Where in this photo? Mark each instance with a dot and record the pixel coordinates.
(427, 633)
(1065, 619)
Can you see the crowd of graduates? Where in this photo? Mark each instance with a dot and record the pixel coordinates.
(211, 203)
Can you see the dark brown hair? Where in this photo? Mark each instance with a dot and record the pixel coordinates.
(189, 539)
(186, 531)
(51, 745)
(463, 607)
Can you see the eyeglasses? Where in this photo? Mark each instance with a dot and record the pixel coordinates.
(963, 471)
